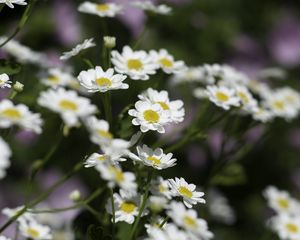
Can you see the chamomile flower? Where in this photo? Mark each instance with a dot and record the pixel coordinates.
(189, 75)
(88, 43)
(126, 207)
(11, 212)
(98, 80)
(35, 231)
(170, 232)
(248, 102)
(281, 201)
(149, 116)
(188, 219)
(287, 227)
(68, 104)
(138, 65)
(149, 6)
(101, 10)
(115, 176)
(56, 77)
(157, 203)
(263, 114)
(155, 158)
(20, 115)
(200, 93)
(187, 191)
(4, 81)
(222, 96)
(166, 61)
(174, 109)
(10, 3)
(161, 187)
(5, 154)
(99, 130)
(94, 159)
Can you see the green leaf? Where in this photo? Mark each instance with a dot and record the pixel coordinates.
(232, 174)
(9, 67)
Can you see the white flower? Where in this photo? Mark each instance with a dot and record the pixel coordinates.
(187, 191)
(4, 238)
(20, 115)
(167, 62)
(149, 6)
(56, 77)
(287, 227)
(68, 104)
(248, 102)
(35, 231)
(138, 65)
(161, 187)
(97, 80)
(88, 43)
(188, 219)
(11, 2)
(157, 203)
(115, 176)
(170, 232)
(95, 158)
(200, 93)
(281, 201)
(155, 158)
(126, 207)
(263, 115)
(189, 75)
(222, 96)
(174, 109)
(101, 10)
(11, 212)
(5, 154)
(4, 81)
(149, 116)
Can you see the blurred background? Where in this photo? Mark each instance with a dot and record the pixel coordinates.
(249, 35)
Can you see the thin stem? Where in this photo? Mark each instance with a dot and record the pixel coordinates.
(113, 212)
(13, 94)
(142, 207)
(21, 23)
(1, 6)
(42, 196)
(87, 62)
(107, 107)
(164, 222)
(140, 38)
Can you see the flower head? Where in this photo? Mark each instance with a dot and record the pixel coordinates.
(101, 9)
(56, 77)
(149, 6)
(287, 227)
(4, 81)
(88, 43)
(10, 3)
(5, 154)
(35, 231)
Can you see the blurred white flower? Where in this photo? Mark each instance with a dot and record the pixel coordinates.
(248, 102)
(157, 203)
(101, 10)
(189, 75)
(5, 154)
(287, 227)
(149, 6)
(161, 187)
(11, 2)
(88, 43)
(4, 81)
(35, 231)
(56, 78)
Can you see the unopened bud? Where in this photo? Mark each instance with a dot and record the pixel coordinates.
(109, 42)
(75, 196)
(18, 87)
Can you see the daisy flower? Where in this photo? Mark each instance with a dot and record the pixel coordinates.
(95, 158)
(5, 154)
(20, 115)
(248, 102)
(189, 75)
(35, 231)
(281, 201)
(88, 43)
(222, 96)
(138, 65)
(157, 203)
(263, 114)
(115, 176)
(126, 207)
(188, 220)
(11, 212)
(56, 77)
(174, 109)
(167, 62)
(101, 10)
(97, 80)
(154, 158)
(149, 6)
(161, 187)
(187, 191)
(10, 3)
(4, 81)
(149, 116)
(169, 232)
(287, 227)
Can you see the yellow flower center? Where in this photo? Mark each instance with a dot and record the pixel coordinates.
(101, 158)
(185, 192)
(53, 79)
(166, 62)
(102, 7)
(134, 64)
(119, 176)
(104, 134)
(222, 97)
(162, 189)
(33, 233)
(243, 97)
(151, 116)
(290, 98)
(164, 105)
(189, 221)
(11, 113)
(104, 82)
(279, 105)
(154, 160)
(2, 81)
(283, 203)
(128, 207)
(68, 105)
(292, 228)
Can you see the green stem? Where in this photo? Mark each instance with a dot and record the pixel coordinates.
(142, 207)
(113, 212)
(21, 23)
(42, 196)
(107, 107)
(140, 38)
(87, 62)
(13, 94)
(1, 6)
(164, 222)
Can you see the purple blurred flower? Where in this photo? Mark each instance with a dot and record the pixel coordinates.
(284, 40)
(254, 134)
(26, 137)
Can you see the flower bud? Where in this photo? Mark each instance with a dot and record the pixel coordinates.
(75, 196)
(109, 42)
(18, 87)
